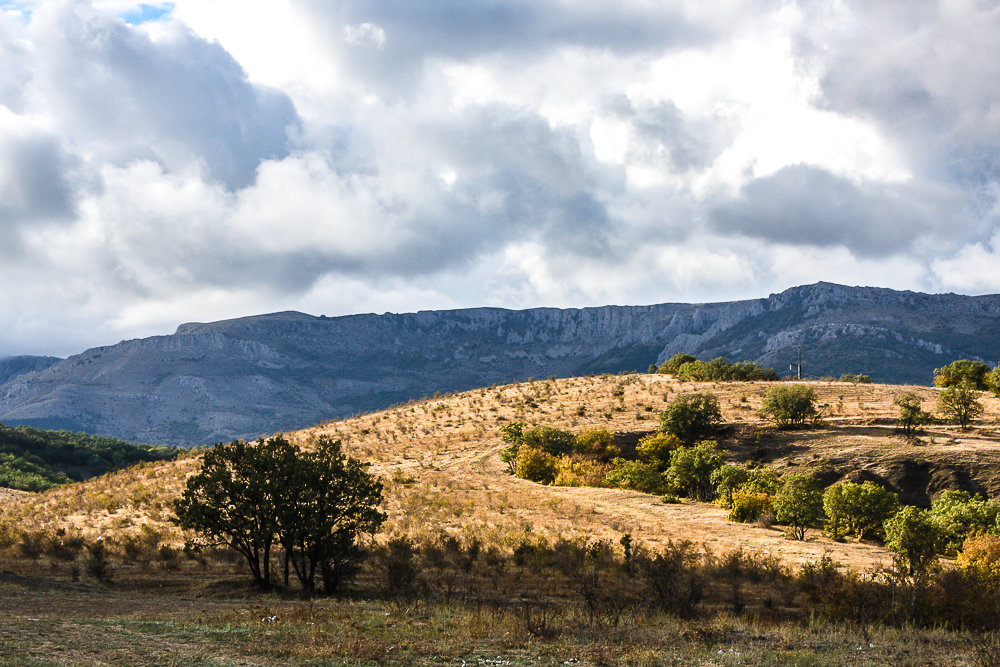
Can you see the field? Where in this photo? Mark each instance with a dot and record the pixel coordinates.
(439, 458)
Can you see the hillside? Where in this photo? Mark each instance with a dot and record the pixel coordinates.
(243, 377)
(440, 459)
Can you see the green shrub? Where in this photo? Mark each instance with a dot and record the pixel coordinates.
(789, 405)
(858, 509)
(762, 480)
(572, 471)
(656, 449)
(798, 504)
(963, 372)
(915, 537)
(550, 440)
(855, 378)
(691, 416)
(597, 443)
(691, 468)
(748, 507)
(960, 514)
(535, 465)
(911, 415)
(635, 475)
(726, 479)
(513, 435)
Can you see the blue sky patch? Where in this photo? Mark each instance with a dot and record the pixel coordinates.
(145, 13)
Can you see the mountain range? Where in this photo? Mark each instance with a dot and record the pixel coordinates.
(217, 381)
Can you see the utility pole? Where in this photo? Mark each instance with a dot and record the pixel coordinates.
(798, 366)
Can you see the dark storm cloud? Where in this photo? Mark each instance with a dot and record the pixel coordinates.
(803, 205)
(173, 100)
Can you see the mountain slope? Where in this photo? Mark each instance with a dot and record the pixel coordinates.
(244, 377)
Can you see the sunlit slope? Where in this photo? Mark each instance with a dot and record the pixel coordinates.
(439, 458)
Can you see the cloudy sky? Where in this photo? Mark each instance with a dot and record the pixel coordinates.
(205, 159)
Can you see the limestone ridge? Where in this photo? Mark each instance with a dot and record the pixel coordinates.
(240, 378)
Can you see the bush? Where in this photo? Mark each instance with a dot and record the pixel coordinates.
(576, 472)
(691, 468)
(727, 479)
(550, 440)
(980, 554)
(858, 509)
(911, 415)
(963, 372)
(798, 504)
(960, 404)
(789, 405)
(635, 475)
(691, 416)
(959, 514)
(992, 381)
(513, 435)
(656, 449)
(855, 378)
(597, 443)
(748, 507)
(915, 538)
(688, 369)
(671, 365)
(535, 465)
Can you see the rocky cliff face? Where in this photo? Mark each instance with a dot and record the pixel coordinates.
(245, 377)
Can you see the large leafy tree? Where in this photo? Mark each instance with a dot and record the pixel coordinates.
(233, 499)
(799, 504)
(960, 404)
(962, 372)
(330, 499)
(691, 417)
(789, 405)
(314, 504)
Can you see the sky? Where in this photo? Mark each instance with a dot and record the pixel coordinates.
(199, 160)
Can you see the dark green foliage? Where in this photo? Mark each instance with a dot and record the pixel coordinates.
(251, 497)
(959, 404)
(513, 435)
(691, 417)
(911, 415)
(858, 509)
(798, 504)
(963, 372)
(671, 365)
(727, 479)
(915, 537)
(550, 440)
(992, 381)
(691, 468)
(856, 378)
(33, 459)
(635, 475)
(598, 444)
(688, 369)
(789, 405)
(959, 514)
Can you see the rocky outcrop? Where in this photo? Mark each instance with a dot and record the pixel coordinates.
(244, 377)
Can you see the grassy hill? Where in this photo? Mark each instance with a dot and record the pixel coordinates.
(440, 458)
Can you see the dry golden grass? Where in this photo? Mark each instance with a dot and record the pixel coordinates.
(439, 457)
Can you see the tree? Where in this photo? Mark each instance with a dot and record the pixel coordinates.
(671, 365)
(992, 381)
(855, 378)
(915, 538)
(513, 435)
(233, 499)
(535, 465)
(636, 475)
(657, 448)
(252, 496)
(959, 514)
(691, 416)
(798, 504)
(598, 444)
(329, 501)
(550, 440)
(691, 468)
(911, 415)
(960, 404)
(858, 509)
(727, 479)
(962, 372)
(789, 405)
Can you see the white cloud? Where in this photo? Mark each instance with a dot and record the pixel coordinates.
(227, 158)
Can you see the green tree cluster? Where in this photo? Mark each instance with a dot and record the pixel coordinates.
(789, 405)
(689, 369)
(963, 372)
(858, 509)
(313, 504)
(691, 417)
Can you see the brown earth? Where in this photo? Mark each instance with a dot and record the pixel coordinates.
(440, 460)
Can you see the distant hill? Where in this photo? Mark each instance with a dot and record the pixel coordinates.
(11, 367)
(33, 459)
(254, 375)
